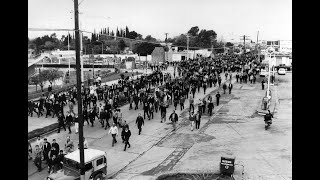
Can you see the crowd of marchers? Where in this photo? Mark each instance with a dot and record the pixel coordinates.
(152, 93)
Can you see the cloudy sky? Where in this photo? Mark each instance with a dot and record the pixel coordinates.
(228, 18)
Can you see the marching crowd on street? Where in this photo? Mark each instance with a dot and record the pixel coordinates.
(152, 93)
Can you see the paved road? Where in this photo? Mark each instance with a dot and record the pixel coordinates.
(152, 133)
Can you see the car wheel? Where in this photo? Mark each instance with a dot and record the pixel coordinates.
(98, 177)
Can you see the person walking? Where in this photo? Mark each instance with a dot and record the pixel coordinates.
(218, 97)
(103, 116)
(139, 122)
(61, 122)
(182, 100)
(151, 110)
(126, 134)
(237, 77)
(136, 101)
(47, 105)
(38, 157)
(262, 83)
(230, 87)
(224, 87)
(210, 107)
(146, 110)
(192, 119)
(174, 118)
(130, 101)
(92, 116)
(163, 112)
(69, 120)
(191, 101)
(46, 148)
(204, 86)
(197, 118)
(70, 105)
(114, 132)
(85, 116)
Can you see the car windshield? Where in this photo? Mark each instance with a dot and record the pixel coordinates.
(71, 164)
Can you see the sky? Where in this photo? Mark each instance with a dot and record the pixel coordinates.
(230, 19)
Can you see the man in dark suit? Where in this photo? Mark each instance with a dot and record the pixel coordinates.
(210, 107)
(230, 87)
(46, 148)
(139, 122)
(174, 118)
(224, 87)
(92, 116)
(48, 108)
(218, 97)
(61, 122)
(126, 134)
(69, 120)
(56, 145)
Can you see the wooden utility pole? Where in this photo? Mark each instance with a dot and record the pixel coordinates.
(188, 46)
(166, 36)
(79, 98)
(244, 42)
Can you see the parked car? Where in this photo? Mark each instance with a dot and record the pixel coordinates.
(282, 71)
(95, 166)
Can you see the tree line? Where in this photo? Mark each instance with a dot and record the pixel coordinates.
(43, 76)
(123, 38)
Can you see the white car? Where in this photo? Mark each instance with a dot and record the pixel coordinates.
(95, 166)
(263, 72)
(282, 71)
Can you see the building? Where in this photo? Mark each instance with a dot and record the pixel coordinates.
(285, 46)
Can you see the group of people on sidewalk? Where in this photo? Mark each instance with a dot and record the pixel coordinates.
(51, 153)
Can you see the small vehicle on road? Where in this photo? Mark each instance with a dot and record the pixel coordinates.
(282, 71)
(95, 166)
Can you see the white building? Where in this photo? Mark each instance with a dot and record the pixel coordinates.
(285, 46)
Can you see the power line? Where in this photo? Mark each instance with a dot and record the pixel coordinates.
(48, 29)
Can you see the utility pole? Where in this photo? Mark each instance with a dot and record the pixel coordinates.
(257, 37)
(79, 98)
(166, 36)
(244, 42)
(92, 64)
(188, 46)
